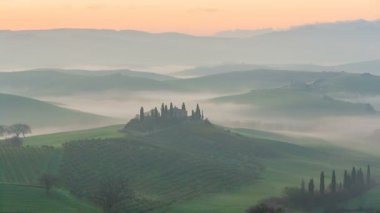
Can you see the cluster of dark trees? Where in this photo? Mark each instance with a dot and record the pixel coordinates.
(171, 112)
(308, 197)
(14, 131)
(354, 183)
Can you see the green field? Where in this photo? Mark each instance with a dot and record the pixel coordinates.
(57, 139)
(22, 198)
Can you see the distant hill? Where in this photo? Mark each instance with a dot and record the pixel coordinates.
(42, 115)
(123, 72)
(252, 79)
(295, 102)
(51, 82)
(357, 84)
(372, 67)
(339, 42)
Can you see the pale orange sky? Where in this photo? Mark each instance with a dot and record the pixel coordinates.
(201, 17)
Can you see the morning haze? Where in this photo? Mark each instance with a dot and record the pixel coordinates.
(189, 106)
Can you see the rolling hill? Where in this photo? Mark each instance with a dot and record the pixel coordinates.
(295, 102)
(252, 79)
(42, 115)
(52, 83)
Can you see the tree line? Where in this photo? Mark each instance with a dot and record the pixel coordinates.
(327, 195)
(171, 112)
(15, 130)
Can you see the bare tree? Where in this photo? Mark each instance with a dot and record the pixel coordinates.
(2, 130)
(111, 192)
(19, 129)
(48, 181)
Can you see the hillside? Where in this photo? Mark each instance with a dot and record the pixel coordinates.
(124, 72)
(42, 115)
(359, 84)
(251, 79)
(52, 83)
(295, 102)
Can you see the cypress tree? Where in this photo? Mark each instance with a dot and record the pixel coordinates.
(142, 113)
(311, 187)
(156, 114)
(171, 110)
(322, 183)
(368, 177)
(166, 111)
(345, 180)
(303, 189)
(162, 110)
(333, 182)
(360, 178)
(353, 176)
(198, 113)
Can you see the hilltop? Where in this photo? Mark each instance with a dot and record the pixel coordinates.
(43, 115)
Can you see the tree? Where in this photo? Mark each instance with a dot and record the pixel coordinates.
(360, 178)
(303, 189)
(345, 180)
(162, 110)
(156, 114)
(368, 177)
(322, 183)
(353, 177)
(19, 129)
(333, 182)
(111, 192)
(264, 208)
(47, 181)
(311, 186)
(171, 110)
(183, 106)
(2, 130)
(198, 113)
(142, 113)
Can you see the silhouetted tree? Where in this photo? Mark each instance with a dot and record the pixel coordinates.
(19, 129)
(311, 186)
(264, 208)
(353, 176)
(2, 130)
(162, 110)
(322, 183)
(142, 113)
(368, 177)
(171, 110)
(110, 192)
(156, 114)
(198, 113)
(183, 106)
(47, 181)
(345, 180)
(333, 182)
(303, 188)
(360, 178)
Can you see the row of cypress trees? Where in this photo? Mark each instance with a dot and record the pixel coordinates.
(354, 181)
(168, 112)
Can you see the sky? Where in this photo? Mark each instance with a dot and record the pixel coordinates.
(197, 17)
